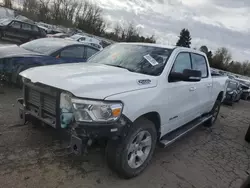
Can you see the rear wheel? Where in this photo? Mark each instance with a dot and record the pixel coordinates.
(245, 97)
(247, 136)
(130, 156)
(214, 112)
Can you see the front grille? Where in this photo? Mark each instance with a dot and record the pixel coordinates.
(42, 102)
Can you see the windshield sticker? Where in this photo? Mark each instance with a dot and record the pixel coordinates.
(115, 56)
(151, 60)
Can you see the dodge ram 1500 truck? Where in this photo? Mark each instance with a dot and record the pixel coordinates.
(133, 95)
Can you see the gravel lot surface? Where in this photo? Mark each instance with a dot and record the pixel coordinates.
(206, 158)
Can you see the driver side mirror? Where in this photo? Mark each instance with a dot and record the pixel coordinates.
(188, 75)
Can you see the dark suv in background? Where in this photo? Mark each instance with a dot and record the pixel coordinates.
(23, 31)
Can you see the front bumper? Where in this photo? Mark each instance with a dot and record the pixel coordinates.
(82, 134)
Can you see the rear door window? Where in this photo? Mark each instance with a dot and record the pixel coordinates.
(73, 52)
(90, 52)
(26, 27)
(199, 63)
(35, 28)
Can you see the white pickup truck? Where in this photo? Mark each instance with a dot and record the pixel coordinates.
(134, 95)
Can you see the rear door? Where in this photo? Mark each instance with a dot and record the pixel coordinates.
(204, 87)
(26, 31)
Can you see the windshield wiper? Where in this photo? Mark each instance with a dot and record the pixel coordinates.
(119, 66)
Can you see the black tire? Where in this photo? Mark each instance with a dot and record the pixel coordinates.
(247, 136)
(17, 79)
(215, 111)
(19, 82)
(245, 97)
(231, 103)
(246, 183)
(117, 152)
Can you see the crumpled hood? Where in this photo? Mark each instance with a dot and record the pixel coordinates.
(90, 80)
(14, 50)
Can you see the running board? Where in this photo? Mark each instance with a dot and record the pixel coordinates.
(173, 136)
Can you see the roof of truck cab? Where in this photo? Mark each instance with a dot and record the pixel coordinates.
(150, 44)
(165, 46)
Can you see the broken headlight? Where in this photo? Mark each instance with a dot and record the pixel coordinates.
(96, 111)
(66, 115)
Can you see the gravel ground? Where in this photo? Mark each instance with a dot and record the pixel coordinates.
(206, 158)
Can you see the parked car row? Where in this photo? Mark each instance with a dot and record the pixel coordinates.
(237, 89)
(23, 31)
(26, 31)
(46, 51)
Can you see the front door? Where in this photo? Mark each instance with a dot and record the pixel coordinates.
(180, 97)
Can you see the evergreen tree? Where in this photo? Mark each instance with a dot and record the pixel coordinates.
(184, 38)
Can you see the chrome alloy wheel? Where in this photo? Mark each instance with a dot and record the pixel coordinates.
(139, 149)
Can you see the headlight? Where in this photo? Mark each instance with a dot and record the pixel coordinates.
(96, 111)
(65, 102)
(66, 108)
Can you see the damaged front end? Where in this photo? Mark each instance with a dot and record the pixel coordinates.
(85, 120)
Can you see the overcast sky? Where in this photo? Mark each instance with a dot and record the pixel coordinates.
(214, 23)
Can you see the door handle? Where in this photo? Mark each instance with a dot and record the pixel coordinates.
(209, 85)
(192, 88)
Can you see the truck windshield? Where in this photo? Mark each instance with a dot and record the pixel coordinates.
(135, 58)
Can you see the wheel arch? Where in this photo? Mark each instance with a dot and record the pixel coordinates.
(220, 96)
(155, 118)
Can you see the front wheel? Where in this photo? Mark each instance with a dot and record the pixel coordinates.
(214, 112)
(130, 156)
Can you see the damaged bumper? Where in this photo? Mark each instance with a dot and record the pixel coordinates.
(82, 134)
